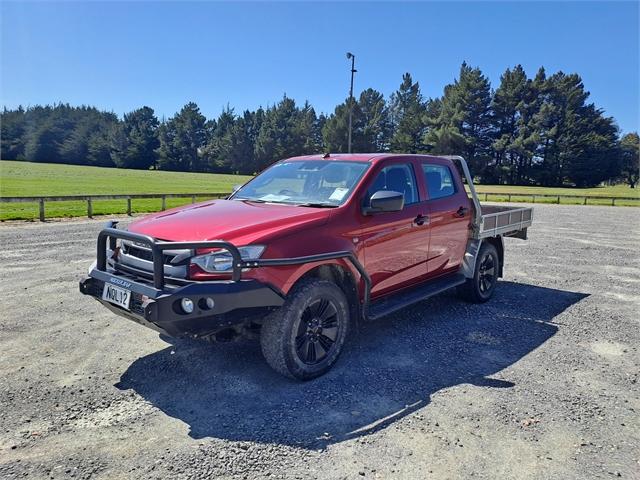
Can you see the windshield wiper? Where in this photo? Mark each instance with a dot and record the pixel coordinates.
(316, 205)
(255, 200)
(306, 204)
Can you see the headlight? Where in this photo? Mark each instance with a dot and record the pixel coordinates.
(222, 261)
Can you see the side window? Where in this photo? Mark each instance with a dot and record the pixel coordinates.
(399, 178)
(439, 181)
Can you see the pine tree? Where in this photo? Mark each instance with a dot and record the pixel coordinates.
(513, 106)
(243, 138)
(309, 130)
(43, 143)
(559, 96)
(99, 147)
(407, 117)
(136, 142)
(463, 126)
(336, 128)
(12, 130)
(279, 136)
(373, 125)
(81, 125)
(233, 142)
(591, 148)
(576, 143)
(182, 140)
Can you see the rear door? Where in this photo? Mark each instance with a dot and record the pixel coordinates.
(395, 243)
(449, 214)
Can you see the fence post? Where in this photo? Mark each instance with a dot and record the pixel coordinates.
(613, 202)
(558, 200)
(89, 208)
(193, 199)
(509, 197)
(41, 208)
(164, 202)
(486, 195)
(585, 200)
(534, 198)
(129, 206)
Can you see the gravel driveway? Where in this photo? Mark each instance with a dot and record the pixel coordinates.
(541, 382)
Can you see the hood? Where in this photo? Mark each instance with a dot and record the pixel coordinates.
(235, 221)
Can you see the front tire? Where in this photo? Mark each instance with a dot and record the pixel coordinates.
(304, 338)
(480, 288)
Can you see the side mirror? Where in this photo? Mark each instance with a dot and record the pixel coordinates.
(385, 201)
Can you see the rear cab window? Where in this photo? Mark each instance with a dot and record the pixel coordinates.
(439, 181)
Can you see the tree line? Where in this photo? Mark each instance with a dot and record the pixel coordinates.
(528, 131)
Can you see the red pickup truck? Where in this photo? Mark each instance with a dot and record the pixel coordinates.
(306, 250)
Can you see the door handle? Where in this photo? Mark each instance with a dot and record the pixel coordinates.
(462, 211)
(421, 220)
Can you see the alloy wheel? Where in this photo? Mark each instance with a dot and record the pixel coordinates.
(317, 331)
(486, 273)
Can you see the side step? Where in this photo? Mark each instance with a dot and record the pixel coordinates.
(397, 301)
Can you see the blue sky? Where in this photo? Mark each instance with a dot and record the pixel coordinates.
(119, 56)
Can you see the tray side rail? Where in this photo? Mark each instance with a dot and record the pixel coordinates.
(505, 222)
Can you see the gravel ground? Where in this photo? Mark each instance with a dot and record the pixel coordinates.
(541, 382)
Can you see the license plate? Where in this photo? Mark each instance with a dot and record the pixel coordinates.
(116, 295)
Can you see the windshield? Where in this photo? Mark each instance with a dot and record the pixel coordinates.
(317, 183)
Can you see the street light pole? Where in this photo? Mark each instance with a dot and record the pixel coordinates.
(353, 70)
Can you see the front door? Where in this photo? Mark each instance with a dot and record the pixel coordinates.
(395, 243)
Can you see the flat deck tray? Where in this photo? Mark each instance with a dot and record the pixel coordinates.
(503, 220)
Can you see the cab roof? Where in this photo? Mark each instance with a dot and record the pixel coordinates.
(358, 157)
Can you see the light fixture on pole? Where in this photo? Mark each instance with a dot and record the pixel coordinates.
(351, 57)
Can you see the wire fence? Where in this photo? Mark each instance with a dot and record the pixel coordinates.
(90, 199)
(536, 197)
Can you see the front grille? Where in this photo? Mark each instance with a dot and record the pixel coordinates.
(144, 253)
(138, 252)
(140, 258)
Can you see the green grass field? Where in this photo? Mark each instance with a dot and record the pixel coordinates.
(28, 179)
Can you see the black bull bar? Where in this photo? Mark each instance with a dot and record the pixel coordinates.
(111, 234)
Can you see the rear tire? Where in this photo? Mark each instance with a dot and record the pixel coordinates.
(304, 338)
(480, 288)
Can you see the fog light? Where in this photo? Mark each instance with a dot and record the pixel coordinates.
(187, 305)
(206, 303)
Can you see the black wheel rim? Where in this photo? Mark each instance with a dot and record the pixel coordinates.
(486, 274)
(317, 331)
